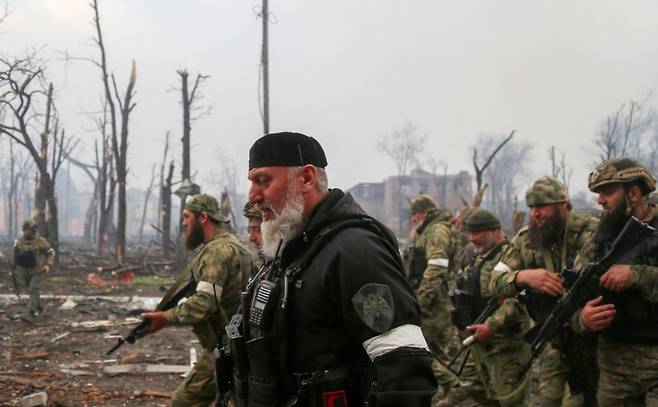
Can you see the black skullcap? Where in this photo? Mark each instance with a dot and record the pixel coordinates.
(286, 149)
(481, 220)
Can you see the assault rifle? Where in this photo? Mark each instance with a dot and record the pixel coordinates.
(183, 290)
(586, 286)
(489, 309)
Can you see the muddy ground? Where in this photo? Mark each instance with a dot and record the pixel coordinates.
(62, 355)
(62, 352)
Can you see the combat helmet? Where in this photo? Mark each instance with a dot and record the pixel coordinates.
(29, 224)
(423, 203)
(545, 190)
(621, 170)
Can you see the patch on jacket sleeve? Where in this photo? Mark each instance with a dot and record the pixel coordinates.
(374, 304)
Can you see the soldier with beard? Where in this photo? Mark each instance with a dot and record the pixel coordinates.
(532, 263)
(432, 269)
(220, 269)
(334, 321)
(626, 316)
(499, 351)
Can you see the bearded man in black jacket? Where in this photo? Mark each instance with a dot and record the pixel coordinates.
(334, 322)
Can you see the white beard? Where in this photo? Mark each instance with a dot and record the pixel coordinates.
(285, 225)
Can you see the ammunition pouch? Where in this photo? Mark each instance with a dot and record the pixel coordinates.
(464, 312)
(26, 259)
(467, 299)
(263, 384)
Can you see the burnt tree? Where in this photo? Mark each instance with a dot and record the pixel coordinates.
(118, 136)
(27, 102)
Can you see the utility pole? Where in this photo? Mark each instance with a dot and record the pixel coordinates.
(265, 66)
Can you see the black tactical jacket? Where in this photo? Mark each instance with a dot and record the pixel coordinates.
(353, 290)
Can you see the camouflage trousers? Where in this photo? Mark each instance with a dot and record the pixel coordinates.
(441, 335)
(33, 280)
(628, 374)
(553, 387)
(198, 389)
(468, 386)
(499, 371)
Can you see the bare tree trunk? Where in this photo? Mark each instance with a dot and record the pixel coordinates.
(91, 215)
(40, 194)
(165, 193)
(479, 171)
(146, 203)
(121, 160)
(11, 197)
(162, 178)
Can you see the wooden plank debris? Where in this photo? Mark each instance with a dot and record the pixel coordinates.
(144, 368)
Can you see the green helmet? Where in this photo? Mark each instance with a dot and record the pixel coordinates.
(545, 190)
(422, 203)
(481, 220)
(251, 211)
(29, 224)
(621, 170)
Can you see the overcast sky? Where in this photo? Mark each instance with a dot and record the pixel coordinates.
(350, 72)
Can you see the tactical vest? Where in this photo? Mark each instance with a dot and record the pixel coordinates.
(636, 319)
(269, 381)
(467, 298)
(26, 253)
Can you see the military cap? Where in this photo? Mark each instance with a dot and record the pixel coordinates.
(29, 224)
(205, 203)
(251, 211)
(482, 219)
(423, 203)
(621, 170)
(545, 190)
(286, 149)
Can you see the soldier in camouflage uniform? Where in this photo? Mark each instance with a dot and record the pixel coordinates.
(500, 350)
(435, 248)
(32, 257)
(628, 319)
(532, 264)
(220, 268)
(255, 218)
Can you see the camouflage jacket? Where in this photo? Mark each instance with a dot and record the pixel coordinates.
(43, 253)
(521, 254)
(510, 320)
(440, 245)
(221, 269)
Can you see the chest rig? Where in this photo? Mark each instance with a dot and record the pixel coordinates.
(26, 253)
(467, 298)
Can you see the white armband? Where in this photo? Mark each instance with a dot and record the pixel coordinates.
(209, 288)
(502, 267)
(439, 262)
(408, 335)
